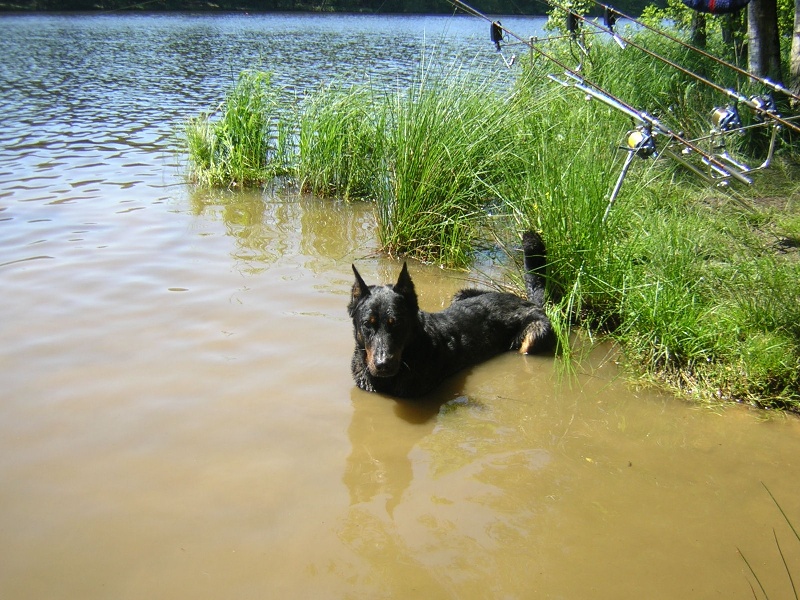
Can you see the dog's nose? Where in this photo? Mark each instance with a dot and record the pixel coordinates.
(384, 363)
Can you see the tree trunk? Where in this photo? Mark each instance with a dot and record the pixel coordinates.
(794, 61)
(697, 35)
(764, 50)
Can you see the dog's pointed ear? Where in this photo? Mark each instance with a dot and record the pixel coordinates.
(405, 287)
(360, 290)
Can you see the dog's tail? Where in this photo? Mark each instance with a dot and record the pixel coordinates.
(535, 262)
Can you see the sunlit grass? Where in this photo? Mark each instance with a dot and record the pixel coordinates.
(340, 152)
(445, 137)
(245, 141)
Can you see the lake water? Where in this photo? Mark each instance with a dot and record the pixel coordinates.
(177, 416)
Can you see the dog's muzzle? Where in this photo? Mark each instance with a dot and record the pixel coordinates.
(382, 363)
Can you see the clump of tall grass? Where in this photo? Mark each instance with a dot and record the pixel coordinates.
(340, 150)
(445, 137)
(425, 154)
(565, 163)
(246, 141)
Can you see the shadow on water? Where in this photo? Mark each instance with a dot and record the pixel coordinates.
(418, 411)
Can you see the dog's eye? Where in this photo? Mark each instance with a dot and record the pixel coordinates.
(391, 322)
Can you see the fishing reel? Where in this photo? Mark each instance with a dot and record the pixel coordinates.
(763, 104)
(726, 119)
(640, 142)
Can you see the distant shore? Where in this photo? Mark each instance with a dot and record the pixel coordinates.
(409, 7)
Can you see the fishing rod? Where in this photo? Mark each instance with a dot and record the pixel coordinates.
(592, 89)
(762, 80)
(759, 107)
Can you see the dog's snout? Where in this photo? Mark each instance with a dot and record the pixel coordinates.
(383, 359)
(382, 362)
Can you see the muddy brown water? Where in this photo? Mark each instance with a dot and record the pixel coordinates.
(178, 420)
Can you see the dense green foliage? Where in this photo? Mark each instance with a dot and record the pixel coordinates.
(339, 149)
(444, 144)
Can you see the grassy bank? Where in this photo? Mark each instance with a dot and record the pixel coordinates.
(697, 284)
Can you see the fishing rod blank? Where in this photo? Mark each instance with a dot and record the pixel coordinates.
(757, 107)
(596, 91)
(767, 82)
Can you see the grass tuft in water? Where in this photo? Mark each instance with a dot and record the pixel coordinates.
(340, 149)
(248, 143)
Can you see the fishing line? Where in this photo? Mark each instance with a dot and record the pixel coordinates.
(756, 107)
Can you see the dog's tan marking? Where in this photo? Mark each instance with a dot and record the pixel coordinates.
(531, 338)
(369, 352)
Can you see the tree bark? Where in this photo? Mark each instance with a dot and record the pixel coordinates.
(794, 60)
(764, 53)
(697, 35)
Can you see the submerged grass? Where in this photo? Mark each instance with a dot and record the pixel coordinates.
(698, 286)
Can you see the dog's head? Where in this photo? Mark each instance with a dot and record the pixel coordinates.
(384, 321)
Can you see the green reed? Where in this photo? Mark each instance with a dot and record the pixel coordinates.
(340, 151)
(444, 137)
(247, 142)
(788, 583)
(559, 177)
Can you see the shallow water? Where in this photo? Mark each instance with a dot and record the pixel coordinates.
(177, 416)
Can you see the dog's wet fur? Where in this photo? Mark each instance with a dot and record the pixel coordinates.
(405, 352)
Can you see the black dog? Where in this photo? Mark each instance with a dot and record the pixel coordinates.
(406, 352)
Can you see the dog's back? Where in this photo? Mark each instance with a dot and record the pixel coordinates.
(403, 351)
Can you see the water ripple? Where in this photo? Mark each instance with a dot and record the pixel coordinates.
(22, 260)
(93, 108)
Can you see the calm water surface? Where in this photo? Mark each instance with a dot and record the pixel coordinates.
(177, 417)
